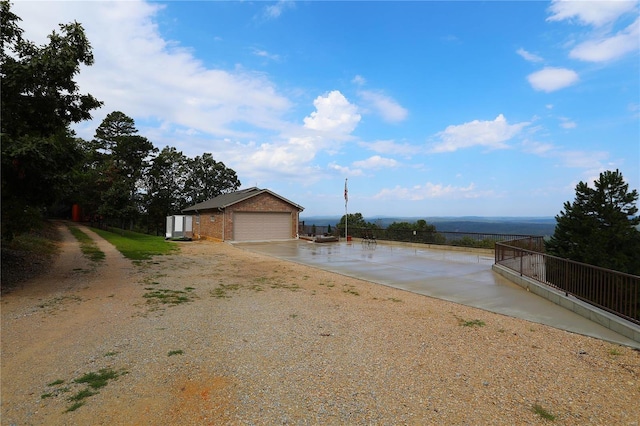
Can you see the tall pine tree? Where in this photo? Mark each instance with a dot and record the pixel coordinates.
(600, 227)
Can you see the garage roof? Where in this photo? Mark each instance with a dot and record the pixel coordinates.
(226, 200)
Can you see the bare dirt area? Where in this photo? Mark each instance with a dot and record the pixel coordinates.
(216, 335)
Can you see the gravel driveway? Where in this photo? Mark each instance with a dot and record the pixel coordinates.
(218, 335)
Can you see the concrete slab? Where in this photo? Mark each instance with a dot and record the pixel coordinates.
(457, 276)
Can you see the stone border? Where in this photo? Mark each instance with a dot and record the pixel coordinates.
(593, 313)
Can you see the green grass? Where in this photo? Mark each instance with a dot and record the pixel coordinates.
(542, 412)
(167, 296)
(32, 243)
(175, 352)
(92, 381)
(472, 323)
(74, 407)
(88, 247)
(84, 393)
(222, 292)
(136, 246)
(98, 380)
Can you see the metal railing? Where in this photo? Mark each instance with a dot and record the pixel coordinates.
(463, 239)
(613, 291)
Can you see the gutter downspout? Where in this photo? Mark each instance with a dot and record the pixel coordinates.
(199, 219)
(221, 209)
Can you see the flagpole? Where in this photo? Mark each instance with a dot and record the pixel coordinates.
(346, 214)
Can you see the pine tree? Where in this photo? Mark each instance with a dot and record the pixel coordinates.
(600, 227)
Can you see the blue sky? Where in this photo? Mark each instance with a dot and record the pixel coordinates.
(427, 108)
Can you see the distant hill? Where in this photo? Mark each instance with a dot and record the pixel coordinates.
(486, 225)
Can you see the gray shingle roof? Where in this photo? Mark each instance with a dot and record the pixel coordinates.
(226, 200)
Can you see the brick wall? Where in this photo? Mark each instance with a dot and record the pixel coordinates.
(210, 226)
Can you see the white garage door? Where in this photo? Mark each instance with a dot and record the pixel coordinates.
(261, 226)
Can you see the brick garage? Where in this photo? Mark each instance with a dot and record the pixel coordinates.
(247, 215)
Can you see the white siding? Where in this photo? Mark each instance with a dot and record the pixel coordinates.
(261, 226)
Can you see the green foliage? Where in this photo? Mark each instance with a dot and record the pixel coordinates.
(208, 178)
(167, 296)
(600, 226)
(39, 101)
(542, 412)
(471, 323)
(353, 220)
(119, 158)
(136, 246)
(98, 380)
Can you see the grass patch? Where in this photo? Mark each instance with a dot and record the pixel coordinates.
(33, 243)
(84, 393)
(222, 292)
(472, 323)
(136, 246)
(393, 299)
(37, 248)
(88, 247)
(168, 297)
(74, 407)
(542, 412)
(615, 352)
(175, 352)
(98, 380)
(92, 381)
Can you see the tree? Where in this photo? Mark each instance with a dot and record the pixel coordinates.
(600, 226)
(122, 159)
(164, 186)
(208, 178)
(40, 100)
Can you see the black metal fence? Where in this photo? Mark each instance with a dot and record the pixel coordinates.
(614, 291)
(462, 239)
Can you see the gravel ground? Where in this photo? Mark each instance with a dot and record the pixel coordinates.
(253, 340)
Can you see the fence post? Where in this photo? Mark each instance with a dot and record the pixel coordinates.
(521, 257)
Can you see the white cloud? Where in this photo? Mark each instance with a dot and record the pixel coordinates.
(275, 10)
(583, 159)
(140, 73)
(566, 123)
(392, 147)
(428, 190)
(376, 162)
(359, 80)
(529, 56)
(390, 110)
(333, 114)
(551, 79)
(491, 134)
(596, 13)
(265, 54)
(537, 148)
(609, 48)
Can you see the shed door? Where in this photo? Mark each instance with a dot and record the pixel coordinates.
(261, 226)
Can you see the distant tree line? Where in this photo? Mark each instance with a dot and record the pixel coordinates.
(118, 177)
